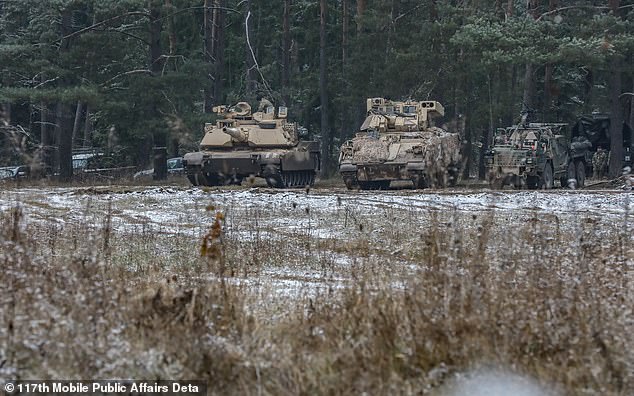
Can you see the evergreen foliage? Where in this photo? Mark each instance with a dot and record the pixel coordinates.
(471, 56)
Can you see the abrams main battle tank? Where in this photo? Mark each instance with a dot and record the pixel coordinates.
(262, 144)
(398, 141)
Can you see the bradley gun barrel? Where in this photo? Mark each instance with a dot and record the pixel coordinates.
(235, 133)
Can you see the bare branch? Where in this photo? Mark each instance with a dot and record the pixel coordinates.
(139, 71)
(125, 34)
(199, 8)
(114, 18)
(46, 82)
(579, 7)
(406, 13)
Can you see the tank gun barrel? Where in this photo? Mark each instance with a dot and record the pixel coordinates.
(235, 133)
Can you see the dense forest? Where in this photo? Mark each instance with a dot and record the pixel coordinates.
(130, 76)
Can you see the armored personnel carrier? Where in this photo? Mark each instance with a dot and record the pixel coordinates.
(398, 141)
(261, 144)
(534, 155)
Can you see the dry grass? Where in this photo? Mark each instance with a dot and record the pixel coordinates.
(550, 300)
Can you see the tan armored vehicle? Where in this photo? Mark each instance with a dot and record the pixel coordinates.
(262, 144)
(398, 141)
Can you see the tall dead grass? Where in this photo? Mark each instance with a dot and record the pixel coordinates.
(81, 301)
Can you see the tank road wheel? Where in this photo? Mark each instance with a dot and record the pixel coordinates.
(366, 185)
(497, 183)
(496, 180)
(375, 185)
(441, 179)
(532, 182)
(350, 180)
(453, 174)
(580, 167)
(547, 177)
(420, 181)
(271, 174)
(200, 179)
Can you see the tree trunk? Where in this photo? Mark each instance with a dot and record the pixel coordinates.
(361, 6)
(5, 116)
(323, 89)
(344, 130)
(155, 38)
(509, 9)
(219, 48)
(63, 121)
(511, 102)
(77, 124)
(433, 10)
(160, 139)
(171, 34)
(31, 113)
(529, 89)
(631, 122)
(213, 48)
(249, 63)
(45, 139)
(548, 78)
(286, 44)
(208, 50)
(390, 31)
(65, 139)
(616, 118)
(344, 34)
(529, 80)
(88, 127)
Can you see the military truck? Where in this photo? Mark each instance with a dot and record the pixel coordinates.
(534, 155)
(398, 141)
(261, 144)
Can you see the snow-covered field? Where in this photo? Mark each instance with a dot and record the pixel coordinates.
(383, 226)
(326, 213)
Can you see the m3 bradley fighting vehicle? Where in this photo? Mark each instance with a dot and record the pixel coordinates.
(535, 155)
(398, 141)
(261, 144)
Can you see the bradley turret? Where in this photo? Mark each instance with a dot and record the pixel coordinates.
(399, 141)
(263, 144)
(385, 115)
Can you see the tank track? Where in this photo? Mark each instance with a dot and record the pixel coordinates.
(276, 178)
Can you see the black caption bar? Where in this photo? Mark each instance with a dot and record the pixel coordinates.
(106, 387)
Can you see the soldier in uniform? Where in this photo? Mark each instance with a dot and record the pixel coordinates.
(264, 103)
(600, 162)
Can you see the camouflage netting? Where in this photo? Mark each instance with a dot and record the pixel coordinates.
(434, 146)
(441, 147)
(368, 149)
